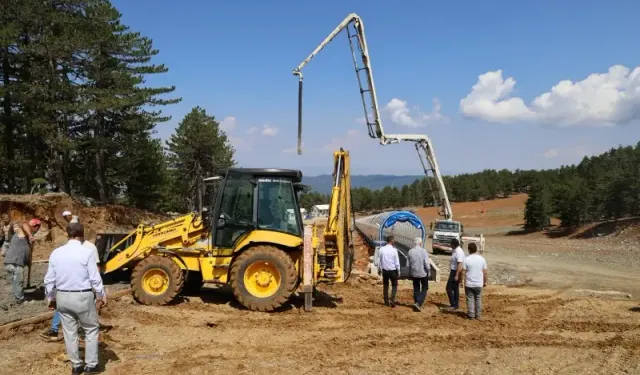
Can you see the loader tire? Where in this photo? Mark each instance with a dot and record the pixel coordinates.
(263, 278)
(156, 280)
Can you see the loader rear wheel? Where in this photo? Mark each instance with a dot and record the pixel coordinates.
(156, 280)
(263, 278)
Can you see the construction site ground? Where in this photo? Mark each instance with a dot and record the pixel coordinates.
(557, 303)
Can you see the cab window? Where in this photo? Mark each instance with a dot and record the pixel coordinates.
(277, 208)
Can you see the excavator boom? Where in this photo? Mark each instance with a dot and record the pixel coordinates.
(336, 258)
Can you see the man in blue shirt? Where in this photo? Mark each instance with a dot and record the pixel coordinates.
(389, 264)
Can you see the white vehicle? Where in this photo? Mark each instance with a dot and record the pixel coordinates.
(358, 43)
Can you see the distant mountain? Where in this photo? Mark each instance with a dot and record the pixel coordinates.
(322, 184)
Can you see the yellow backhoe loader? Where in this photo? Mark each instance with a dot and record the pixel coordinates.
(250, 235)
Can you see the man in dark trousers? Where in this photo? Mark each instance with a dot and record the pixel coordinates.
(455, 271)
(389, 263)
(419, 269)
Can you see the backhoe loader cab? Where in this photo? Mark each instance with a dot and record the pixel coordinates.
(243, 235)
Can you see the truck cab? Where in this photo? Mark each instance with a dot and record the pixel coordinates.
(444, 231)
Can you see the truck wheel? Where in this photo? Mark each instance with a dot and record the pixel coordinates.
(263, 278)
(193, 282)
(156, 280)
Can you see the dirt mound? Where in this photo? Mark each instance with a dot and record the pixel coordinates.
(49, 207)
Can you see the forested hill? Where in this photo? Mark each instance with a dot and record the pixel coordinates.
(322, 184)
(601, 187)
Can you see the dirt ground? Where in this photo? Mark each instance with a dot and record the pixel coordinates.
(556, 304)
(523, 330)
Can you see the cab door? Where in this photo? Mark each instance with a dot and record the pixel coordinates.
(234, 215)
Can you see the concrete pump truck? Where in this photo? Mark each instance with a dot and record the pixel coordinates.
(445, 229)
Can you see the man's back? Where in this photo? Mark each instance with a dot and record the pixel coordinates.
(389, 259)
(418, 262)
(474, 264)
(74, 267)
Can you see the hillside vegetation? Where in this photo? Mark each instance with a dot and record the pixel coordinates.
(601, 187)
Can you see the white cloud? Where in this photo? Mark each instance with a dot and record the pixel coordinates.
(551, 153)
(228, 123)
(252, 130)
(361, 120)
(269, 131)
(400, 113)
(349, 142)
(601, 99)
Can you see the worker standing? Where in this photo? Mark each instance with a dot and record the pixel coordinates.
(419, 269)
(75, 277)
(455, 269)
(389, 263)
(18, 255)
(5, 235)
(475, 279)
(52, 333)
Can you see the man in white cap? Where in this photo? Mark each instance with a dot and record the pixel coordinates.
(69, 217)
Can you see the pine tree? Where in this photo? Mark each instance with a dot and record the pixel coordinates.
(198, 149)
(537, 208)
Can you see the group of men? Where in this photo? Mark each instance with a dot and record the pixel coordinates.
(73, 286)
(471, 269)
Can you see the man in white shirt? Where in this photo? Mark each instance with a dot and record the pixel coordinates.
(455, 269)
(475, 278)
(389, 263)
(70, 218)
(52, 333)
(74, 276)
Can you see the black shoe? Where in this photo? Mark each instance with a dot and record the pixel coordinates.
(416, 308)
(387, 304)
(50, 334)
(92, 370)
(392, 304)
(77, 370)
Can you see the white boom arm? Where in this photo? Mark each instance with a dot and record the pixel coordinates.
(355, 29)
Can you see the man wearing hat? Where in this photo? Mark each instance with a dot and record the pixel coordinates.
(69, 217)
(17, 256)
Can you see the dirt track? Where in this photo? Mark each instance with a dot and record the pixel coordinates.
(523, 331)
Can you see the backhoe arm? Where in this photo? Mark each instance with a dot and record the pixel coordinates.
(336, 258)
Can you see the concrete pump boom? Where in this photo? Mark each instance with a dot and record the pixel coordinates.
(355, 30)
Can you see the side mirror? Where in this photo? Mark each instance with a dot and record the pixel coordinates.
(220, 223)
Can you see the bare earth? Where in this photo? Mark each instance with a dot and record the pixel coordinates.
(553, 306)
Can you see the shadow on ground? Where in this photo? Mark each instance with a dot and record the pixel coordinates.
(223, 295)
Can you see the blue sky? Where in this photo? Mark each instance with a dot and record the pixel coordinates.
(235, 58)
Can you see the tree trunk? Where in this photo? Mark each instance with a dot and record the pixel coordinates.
(9, 125)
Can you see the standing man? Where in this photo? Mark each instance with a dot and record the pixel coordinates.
(17, 256)
(455, 269)
(52, 333)
(75, 276)
(71, 219)
(389, 263)
(475, 278)
(5, 234)
(419, 269)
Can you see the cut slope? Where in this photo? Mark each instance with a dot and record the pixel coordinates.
(49, 207)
